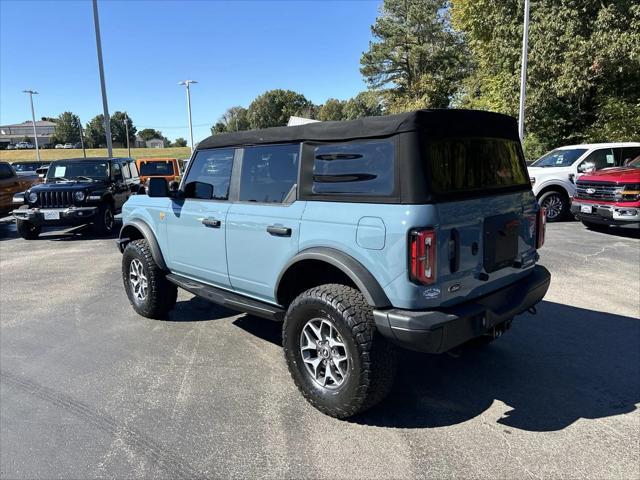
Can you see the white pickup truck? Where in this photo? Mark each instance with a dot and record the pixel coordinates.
(553, 176)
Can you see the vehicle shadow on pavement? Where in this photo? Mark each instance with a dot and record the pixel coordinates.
(198, 309)
(550, 370)
(83, 232)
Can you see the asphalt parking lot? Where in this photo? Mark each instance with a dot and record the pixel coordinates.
(89, 389)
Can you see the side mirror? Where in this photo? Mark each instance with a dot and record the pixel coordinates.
(157, 187)
(199, 190)
(174, 186)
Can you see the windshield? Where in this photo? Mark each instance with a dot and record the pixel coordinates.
(78, 170)
(559, 158)
(26, 166)
(151, 169)
(476, 166)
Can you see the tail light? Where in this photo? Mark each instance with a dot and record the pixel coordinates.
(541, 227)
(422, 261)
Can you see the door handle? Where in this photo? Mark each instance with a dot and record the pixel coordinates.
(279, 230)
(211, 222)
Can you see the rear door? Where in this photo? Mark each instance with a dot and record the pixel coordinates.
(263, 227)
(197, 224)
(486, 214)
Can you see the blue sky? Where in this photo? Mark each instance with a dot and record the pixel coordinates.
(236, 50)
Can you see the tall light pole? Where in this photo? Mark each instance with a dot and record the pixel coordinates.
(187, 83)
(523, 70)
(84, 150)
(33, 117)
(126, 129)
(105, 106)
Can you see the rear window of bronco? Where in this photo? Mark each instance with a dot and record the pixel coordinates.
(476, 165)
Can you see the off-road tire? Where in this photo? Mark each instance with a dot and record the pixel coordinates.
(101, 225)
(563, 199)
(373, 360)
(28, 230)
(161, 293)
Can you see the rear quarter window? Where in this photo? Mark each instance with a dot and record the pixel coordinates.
(356, 168)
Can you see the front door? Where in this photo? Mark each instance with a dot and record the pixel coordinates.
(197, 223)
(263, 227)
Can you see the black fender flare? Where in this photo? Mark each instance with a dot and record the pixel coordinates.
(359, 275)
(147, 233)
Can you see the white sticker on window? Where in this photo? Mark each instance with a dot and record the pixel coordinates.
(610, 158)
(60, 171)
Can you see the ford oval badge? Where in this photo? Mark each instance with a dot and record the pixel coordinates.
(454, 288)
(590, 191)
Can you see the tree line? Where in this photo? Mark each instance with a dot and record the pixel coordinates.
(583, 77)
(68, 129)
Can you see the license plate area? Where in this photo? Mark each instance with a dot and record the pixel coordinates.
(501, 234)
(586, 209)
(51, 215)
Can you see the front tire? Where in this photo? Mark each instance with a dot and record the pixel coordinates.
(336, 357)
(105, 219)
(149, 292)
(28, 230)
(556, 205)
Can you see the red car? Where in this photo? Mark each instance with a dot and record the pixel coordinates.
(609, 197)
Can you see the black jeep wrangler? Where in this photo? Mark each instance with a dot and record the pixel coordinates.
(77, 191)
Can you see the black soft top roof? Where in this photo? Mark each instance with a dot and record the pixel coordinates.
(434, 123)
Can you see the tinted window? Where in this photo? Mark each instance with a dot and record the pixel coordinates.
(151, 169)
(5, 171)
(363, 168)
(96, 169)
(629, 154)
(559, 158)
(597, 160)
(476, 164)
(269, 173)
(213, 167)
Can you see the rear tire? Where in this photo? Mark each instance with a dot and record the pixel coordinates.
(556, 205)
(28, 230)
(105, 219)
(330, 328)
(149, 292)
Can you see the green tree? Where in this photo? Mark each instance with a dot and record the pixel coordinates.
(67, 129)
(583, 77)
(118, 129)
(332, 109)
(416, 58)
(149, 133)
(180, 142)
(274, 107)
(219, 127)
(94, 132)
(365, 104)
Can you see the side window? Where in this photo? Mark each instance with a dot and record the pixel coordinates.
(5, 171)
(117, 171)
(597, 160)
(212, 167)
(629, 154)
(269, 173)
(358, 168)
(125, 171)
(134, 170)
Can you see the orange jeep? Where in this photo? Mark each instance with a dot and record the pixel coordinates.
(157, 167)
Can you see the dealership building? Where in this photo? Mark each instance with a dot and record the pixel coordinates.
(12, 134)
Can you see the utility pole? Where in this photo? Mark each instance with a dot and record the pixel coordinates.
(523, 71)
(126, 129)
(105, 106)
(187, 83)
(84, 152)
(33, 117)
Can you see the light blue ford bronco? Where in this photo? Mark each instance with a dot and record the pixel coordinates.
(416, 230)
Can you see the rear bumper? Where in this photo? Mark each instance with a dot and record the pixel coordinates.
(607, 214)
(436, 331)
(68, 216)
